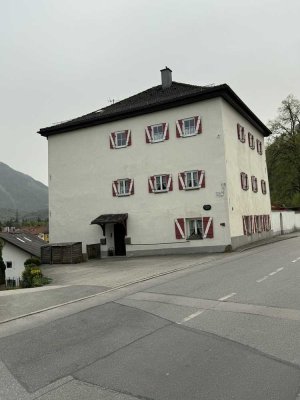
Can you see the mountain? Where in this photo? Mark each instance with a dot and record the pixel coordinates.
(21, 193)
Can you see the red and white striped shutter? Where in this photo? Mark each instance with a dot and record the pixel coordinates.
(131, 186)
(151, 184)
(128, 137)
(208, 228)
(179, 125)
(148, 132)
(115, 188)
(166, 130)
(181, 180)
(170, 183)
(201, 179)
(112, 140)
(179, 228)
(264, 222)
(244, 225)
(198, 125)
(238, 129)
(268, 223)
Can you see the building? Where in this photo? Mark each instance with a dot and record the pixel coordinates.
(17, 248)
(177, 168)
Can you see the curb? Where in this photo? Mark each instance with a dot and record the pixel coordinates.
(280, 239)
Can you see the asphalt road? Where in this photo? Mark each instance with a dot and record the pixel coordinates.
(228, 331)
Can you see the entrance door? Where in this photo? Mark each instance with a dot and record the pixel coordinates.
(119, 236)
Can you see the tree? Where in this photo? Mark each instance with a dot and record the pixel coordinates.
(283, 154)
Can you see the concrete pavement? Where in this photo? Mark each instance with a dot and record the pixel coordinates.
(78, 281)
(71, 282)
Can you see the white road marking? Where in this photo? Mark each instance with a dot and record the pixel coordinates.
(295, 260)
(272, 273)
(279, 269)
(191, 316)
(227, 297)
(262, 279)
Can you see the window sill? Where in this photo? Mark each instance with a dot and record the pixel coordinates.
(121, 147)
(192, 188)
(157, 141)
(192, 134)
(123, 195)
(160, 191)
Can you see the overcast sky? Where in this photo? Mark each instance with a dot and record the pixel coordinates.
(64, 58)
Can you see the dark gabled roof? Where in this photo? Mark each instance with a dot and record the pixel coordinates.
(156, 99)
(25, 241)
(110, 219)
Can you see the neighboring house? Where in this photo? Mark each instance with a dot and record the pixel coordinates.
(177, 168)
(18, 247)
(41, 231)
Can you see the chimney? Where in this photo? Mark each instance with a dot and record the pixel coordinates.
(166, 77)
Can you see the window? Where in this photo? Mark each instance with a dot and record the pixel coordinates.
(160, 183)
(259, 146)
(123, 187)
(188, 127)
(191, 180)
(241, 133)
(120, 139)
(254, 184)
(251, 141)
(256, 224)
(157, 133)
(263, 187)
(195, 229)
(8, 264)
(244, 181)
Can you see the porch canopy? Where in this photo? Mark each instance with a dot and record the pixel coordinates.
(104, 219)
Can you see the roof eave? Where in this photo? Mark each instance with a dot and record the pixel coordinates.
(223, 91)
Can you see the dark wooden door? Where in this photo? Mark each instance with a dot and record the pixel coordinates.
(119, 235)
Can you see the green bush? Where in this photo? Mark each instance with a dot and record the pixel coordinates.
(34, 261)
(32, 275)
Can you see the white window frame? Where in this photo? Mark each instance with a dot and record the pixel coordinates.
(124, 184)
(184, 134)
(160, 178)
(116, 139)
(153, 127)
(198, 233)
(192, 180)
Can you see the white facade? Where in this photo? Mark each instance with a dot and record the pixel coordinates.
(82, 167)
(14, 259)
